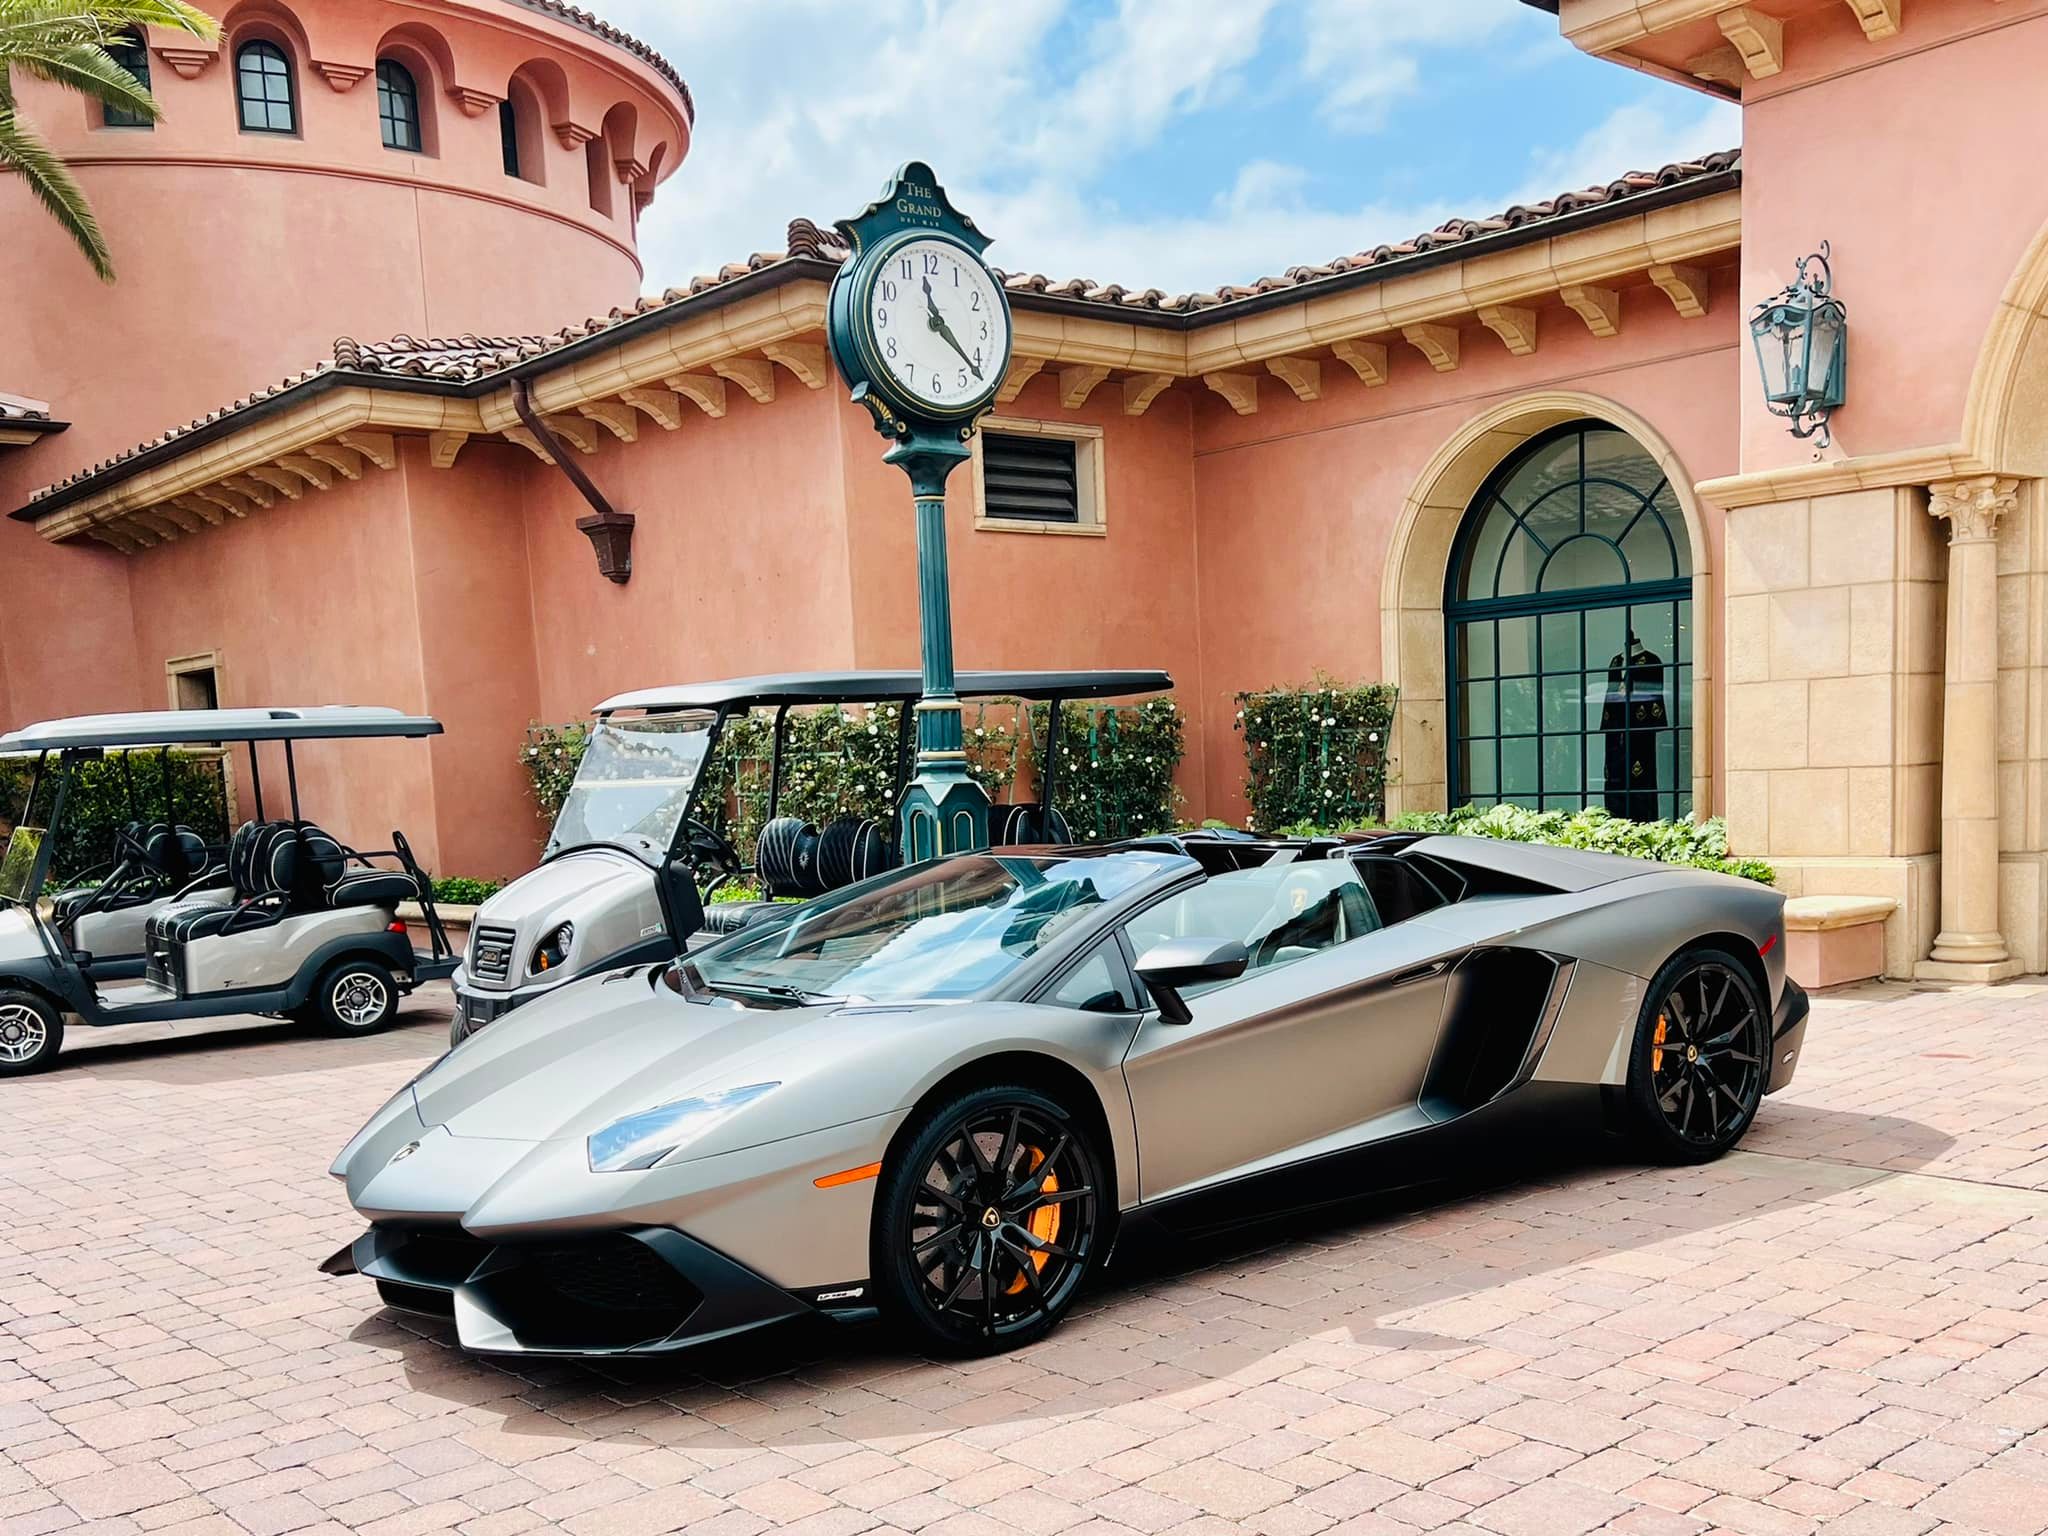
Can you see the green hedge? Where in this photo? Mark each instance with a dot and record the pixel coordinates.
(459, 891)
(1316, 754)
(1701, 844)
(96, 805)
(1116, 767)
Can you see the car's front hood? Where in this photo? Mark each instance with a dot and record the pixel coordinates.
(604, 1047)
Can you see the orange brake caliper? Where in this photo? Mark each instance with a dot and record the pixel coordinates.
(1656, 1046)
(1045, 1221)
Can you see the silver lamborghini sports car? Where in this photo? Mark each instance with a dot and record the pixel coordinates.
(940, 1093)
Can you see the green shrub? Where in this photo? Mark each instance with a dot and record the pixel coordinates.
(550, 756)
(1700, 844)
(1116, 767)
(1316, 756)
(97, 804)
(457, 891)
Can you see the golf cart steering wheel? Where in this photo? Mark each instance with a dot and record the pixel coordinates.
(709, 846)
(128, 844)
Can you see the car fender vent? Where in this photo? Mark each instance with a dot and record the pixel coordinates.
(1497, 1002)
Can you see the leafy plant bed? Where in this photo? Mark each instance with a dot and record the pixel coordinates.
(1699, 844)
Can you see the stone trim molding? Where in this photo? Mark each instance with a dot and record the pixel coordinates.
(1418, 557)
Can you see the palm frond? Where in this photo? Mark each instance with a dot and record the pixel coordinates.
(90, 70)
(52, 185)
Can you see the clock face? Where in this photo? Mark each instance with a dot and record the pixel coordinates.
(940, 327)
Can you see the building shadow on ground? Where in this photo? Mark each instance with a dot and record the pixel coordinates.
(1169, 1315)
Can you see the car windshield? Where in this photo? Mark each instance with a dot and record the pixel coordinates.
(955, 928)
(18, 865)
(634, 784)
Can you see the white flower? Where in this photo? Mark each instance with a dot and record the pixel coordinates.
(1372, 735)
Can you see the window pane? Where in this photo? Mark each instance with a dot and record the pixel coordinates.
(1561, 642)
(508, 136)
(1517, 646)
(1518, 706)
(1561, 711)
(1475, 700)
(1518, 767)
(1475, 650)
(1092, 986)
(1561, 764)
(131, 55)
(1584, 562)
(1479, 781)
(398, 107)
(263, 82)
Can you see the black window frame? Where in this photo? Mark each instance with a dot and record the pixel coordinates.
(1012, 501)
(130, 50)
(268, 53)
(398, 108)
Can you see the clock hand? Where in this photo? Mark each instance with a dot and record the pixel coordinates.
(937, 322)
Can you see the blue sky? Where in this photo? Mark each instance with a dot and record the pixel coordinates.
(1170, 143)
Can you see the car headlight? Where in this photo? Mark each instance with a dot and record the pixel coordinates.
(644, 1139)
(553, 951)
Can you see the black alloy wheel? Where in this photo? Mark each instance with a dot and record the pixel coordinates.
(1702, 1053)
(988, 1222)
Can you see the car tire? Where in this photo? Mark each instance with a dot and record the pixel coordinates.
(31, 1033)
(356, 997)
(1700, 1058)
(971, 1252)
(458, 1030)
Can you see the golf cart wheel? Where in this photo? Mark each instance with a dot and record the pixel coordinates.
(31, 1033)
(1702, 1052)
(357, 997)
(987, 1221)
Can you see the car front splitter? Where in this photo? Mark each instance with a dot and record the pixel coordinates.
(638, 1291)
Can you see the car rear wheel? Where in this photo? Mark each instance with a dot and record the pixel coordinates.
(31, 1033)
(357, 997)
(1702, 1050)
(986, 1222)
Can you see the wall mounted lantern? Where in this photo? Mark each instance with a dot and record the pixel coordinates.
(1802, 346)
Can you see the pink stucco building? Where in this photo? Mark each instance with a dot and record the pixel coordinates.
(1497, 464)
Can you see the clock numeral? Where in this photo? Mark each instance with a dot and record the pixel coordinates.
(931, 263)
(882, 320)
(976, 305)
(891, 345)
(888, 289)
(963, 378)
(938, 385)
(905, 267)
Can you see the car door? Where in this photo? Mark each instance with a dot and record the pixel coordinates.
(1322, 1043)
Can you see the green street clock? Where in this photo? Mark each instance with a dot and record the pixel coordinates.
(919, 327)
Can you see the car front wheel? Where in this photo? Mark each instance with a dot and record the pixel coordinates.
(1702, 1051)
(987, 1221)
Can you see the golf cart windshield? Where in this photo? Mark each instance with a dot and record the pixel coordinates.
(633, 785)
(951, 929)
(18, 865)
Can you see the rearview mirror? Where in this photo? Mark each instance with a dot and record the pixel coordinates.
(1167, 967)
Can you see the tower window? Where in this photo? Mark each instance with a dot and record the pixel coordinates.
(128, 51)
(398, 106)
(508, 136)
(263, 88)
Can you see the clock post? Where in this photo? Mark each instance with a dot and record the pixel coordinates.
(920, 330)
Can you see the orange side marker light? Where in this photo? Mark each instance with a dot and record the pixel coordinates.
(849, 1176)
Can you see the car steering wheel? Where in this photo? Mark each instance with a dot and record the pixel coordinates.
(707, 845)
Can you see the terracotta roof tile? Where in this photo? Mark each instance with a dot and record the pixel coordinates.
(467, 359)
(597, 26)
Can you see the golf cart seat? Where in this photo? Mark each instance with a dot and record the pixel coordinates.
(281, 869)
(160, 859)
(1012, 826)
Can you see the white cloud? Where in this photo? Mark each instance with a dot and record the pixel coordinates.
(1030, 109)
(1365, 55)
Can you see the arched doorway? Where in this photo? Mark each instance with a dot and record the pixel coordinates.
(1569, 633)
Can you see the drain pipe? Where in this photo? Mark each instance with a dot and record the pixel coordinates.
(610, 531)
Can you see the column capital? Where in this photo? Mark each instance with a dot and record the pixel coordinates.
(1972, 505)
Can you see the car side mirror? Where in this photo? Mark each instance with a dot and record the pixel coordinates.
(1166, 968)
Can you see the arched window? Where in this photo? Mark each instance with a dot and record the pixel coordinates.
(128, 51)
(1569, 619)
(263, 88)
(398, 106)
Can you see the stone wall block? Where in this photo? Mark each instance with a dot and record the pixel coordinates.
(1810, 811)
(1872, 628)
(1767, 547)
(1767, 725)
(1849, 722)
(1870, 810)
(1810, 633)
(1852, 538)
(1749, 639)
(1749, 811)
(1920, 742)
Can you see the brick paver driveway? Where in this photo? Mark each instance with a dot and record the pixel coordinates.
(1845, 1325)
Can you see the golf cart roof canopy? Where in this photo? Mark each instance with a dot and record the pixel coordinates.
(174, 727)
(877, 687)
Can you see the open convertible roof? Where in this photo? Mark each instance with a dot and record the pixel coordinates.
(874, 687)
(175, 727)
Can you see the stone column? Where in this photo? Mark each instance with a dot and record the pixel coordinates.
(1970, 946)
